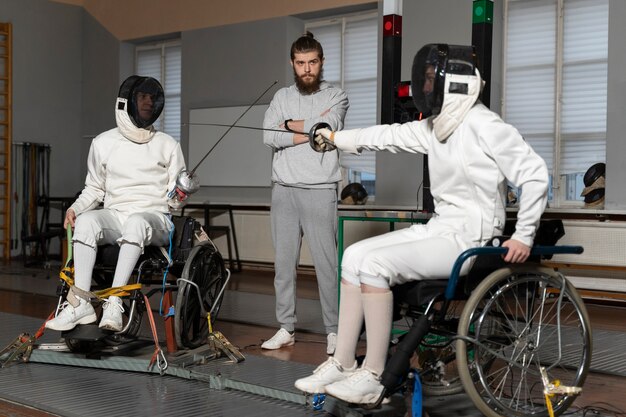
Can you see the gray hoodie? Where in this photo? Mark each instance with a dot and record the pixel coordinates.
(299, 165)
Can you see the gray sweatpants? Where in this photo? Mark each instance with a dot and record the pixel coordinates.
(312, 212)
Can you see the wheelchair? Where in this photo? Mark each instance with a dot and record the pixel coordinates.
(516, 338)
(192, 268)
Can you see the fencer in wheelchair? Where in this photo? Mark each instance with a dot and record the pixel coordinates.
(139, 175)
(472, 154)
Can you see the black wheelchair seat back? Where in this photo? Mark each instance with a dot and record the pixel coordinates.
(185, 229)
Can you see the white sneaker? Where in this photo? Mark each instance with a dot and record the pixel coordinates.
(280, 339)
(362, 387)
(328, 372)
(331, 343)
(112, 310)
(70, 316)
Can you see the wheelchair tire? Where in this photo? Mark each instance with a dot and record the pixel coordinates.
(518, 315)
(205, 269)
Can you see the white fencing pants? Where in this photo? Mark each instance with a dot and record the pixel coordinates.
(401, 256)
(100, 227)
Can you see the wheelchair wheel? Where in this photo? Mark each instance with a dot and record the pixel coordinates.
(522, 318)
(206, 272)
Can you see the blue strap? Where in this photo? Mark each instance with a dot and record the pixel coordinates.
(416, 403)
(318, 401)
(170, 312)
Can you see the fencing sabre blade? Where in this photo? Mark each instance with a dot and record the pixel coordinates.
(230, 127)
(245, 127)
(310, 135)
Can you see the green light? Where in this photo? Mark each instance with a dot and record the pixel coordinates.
(482, 11)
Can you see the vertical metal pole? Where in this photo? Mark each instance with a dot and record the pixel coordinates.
(391, 58)
(339, 254)
(482, 39)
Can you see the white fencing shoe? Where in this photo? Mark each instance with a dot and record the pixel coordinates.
(280, 339)
(112, 314)
(331, 343)
(71, 316)
(327, 373)
(362, 387)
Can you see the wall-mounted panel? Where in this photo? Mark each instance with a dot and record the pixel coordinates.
(240, 159)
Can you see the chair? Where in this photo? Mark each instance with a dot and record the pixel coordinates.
(44, 231)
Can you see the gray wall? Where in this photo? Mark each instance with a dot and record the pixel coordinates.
(47, 78)
(100, 75)
(65, 76)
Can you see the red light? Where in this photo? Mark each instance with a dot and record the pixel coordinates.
(392, 25)
(404, 90)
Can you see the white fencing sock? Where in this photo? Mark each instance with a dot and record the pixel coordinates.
(84, 260)
(350, 323)
(378, 310)
(129, 255)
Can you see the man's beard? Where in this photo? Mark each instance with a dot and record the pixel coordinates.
(308, 88)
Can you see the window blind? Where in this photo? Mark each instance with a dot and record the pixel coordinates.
(541, 73)
(530, 73)
(351, 52)
(585, 64)
(163, 62)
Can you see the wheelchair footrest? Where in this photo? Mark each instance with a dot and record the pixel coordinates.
(86, 332)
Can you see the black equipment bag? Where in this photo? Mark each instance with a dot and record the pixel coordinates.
(183, 239)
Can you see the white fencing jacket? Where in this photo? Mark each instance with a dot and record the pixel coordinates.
(468, 172)
(130, 177)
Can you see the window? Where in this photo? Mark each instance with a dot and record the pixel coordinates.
(555, 86)
(163, 62)
(351, 62)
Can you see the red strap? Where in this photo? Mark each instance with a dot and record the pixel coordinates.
(39, 332)
(155, 336)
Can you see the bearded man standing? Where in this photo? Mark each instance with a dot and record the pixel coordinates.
(304, 190)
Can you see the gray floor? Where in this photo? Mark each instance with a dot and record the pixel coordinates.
(70, 392)
(245, 307)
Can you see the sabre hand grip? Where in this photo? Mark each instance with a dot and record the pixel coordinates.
(186, 184)
(318, 142)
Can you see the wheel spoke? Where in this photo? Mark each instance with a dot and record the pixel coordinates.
(516, 316)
